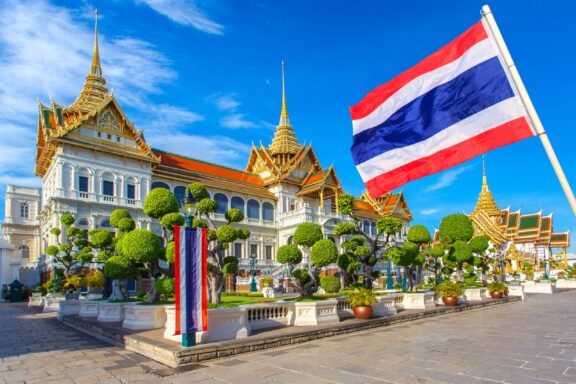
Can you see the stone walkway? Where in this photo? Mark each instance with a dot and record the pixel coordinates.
(522, 342)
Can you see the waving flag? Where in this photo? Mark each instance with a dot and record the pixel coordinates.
(191, 297)
(454, 105)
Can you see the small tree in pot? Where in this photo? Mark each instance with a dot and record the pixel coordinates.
(361, 301)
(497, 289)
(450, 291)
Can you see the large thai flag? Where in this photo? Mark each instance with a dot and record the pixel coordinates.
(191, 297)
(454, 105)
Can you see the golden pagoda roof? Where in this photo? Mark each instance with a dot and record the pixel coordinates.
(486, 202)
(284, 141)
(94, 90)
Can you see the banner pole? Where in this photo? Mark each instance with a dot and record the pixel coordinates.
(532, 114)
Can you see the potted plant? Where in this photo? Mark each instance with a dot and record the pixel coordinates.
(96, 282)
(266, 282)
(72, 286)
(361, 300)
(497, 289)
(450, 292)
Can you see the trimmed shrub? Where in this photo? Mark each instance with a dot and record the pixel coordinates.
(330, 284)
(117, 215)
(234, 215)
(117, 267)
(323, 253)
(165, 287)
(289, 254)
(141, 245)
(159, 203)
(170, 220)
(307, 234)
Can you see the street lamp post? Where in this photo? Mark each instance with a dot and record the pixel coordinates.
(253, 273)
(389, 281)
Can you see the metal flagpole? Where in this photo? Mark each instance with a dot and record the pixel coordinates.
(489, 18)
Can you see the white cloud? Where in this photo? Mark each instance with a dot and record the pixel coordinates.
(226, 102)
(185, 12)
(448, 178)
(428, 212)
(216, 149)
(236, 121)
(170, 118)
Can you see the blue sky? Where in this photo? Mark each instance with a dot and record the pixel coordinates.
(202, 78)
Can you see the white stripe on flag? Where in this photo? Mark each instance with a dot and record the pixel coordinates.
(183, 266)
(478, 53)
(463, 130)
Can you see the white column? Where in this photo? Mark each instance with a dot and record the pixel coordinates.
(73, 180)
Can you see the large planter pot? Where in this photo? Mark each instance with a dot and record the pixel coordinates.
(89, 308)
(497, 295)
(67, 308)
(142, 317)
(363, 312)
(51, 304)
(450, 301)
(311, 313)
(475, 294)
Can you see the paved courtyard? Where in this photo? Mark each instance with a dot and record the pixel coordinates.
(521, 342)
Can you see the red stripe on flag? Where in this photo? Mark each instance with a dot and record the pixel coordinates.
(499, 136)
(204, 278)
(177, 278)
(443, 56)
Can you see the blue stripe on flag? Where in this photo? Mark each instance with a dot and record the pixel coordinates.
(476, 89)
(190, 264)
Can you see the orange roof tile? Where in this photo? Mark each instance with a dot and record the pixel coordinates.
(187, 163)
(316, 177)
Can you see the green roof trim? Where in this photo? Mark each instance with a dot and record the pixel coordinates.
(559, 237)
(545, 224)
(527, 222)
(512, 220)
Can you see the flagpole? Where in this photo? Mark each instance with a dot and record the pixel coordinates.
(532, 114)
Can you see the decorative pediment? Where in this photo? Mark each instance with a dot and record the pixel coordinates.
(107, 119)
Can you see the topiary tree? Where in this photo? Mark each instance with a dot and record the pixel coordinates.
(482, 259)
(349, 261)
(72, 250)
(386, 227)
(330, 284)
(460, 252)
(323, 252)
(289, 255)
(434, 261)
(409, 257)
(456, 228)
(419, 234)
(219, 238)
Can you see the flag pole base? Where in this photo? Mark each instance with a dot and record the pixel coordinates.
(189, 339)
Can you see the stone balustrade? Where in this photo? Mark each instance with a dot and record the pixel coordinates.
(538, 287)
(313, 313)
(385, 306)
(418, 300)
(269, 315)
(566, 283)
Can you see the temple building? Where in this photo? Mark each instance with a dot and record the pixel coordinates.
(92, 160)
(522, 237)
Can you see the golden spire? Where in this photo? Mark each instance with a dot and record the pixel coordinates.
(94, 90)
(284, 141)
(486, 202)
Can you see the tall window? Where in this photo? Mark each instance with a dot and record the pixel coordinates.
(373, 228)
(105, 223)
(131, 192)
(107, 188)
(24, 251)
(24, 210)
(366, 226)
(238, 250)
(83, 184)
(222, 201)
(267, 211)
(253, 209)
(238, 203)
(254, 250)
(179, 193)
(268, 252)
(159, 184)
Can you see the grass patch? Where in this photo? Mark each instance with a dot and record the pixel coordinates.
(229, 301)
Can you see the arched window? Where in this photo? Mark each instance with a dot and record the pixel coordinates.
(253, 209)
(24, 210)
(366, 226)
(180, 192)
(289, 241)
(238, 203)
(222, 201)
(105, 223)
(24, 251)
(82, 223)
(267, 211)
(107, 185)
(159, 184)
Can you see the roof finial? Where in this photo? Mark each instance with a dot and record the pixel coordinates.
(95, 69)
(284, 119)
(484, 179)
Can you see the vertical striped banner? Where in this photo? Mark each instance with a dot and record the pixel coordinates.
(191, 296)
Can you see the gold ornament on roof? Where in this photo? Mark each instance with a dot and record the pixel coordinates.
(284, 141)
(94, 90)
(486, 202)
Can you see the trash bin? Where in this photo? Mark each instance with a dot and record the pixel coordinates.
(16, 291)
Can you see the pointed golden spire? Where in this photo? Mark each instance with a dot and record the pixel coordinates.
(284, 119)
(486, 202)
(284, 141)
(94, 90)
(96, 69)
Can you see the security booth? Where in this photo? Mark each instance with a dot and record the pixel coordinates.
(16, 291)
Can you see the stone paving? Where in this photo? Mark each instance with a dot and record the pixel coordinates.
(522, 342)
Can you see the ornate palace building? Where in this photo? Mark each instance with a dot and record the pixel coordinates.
(92, 160)
(523, 237)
